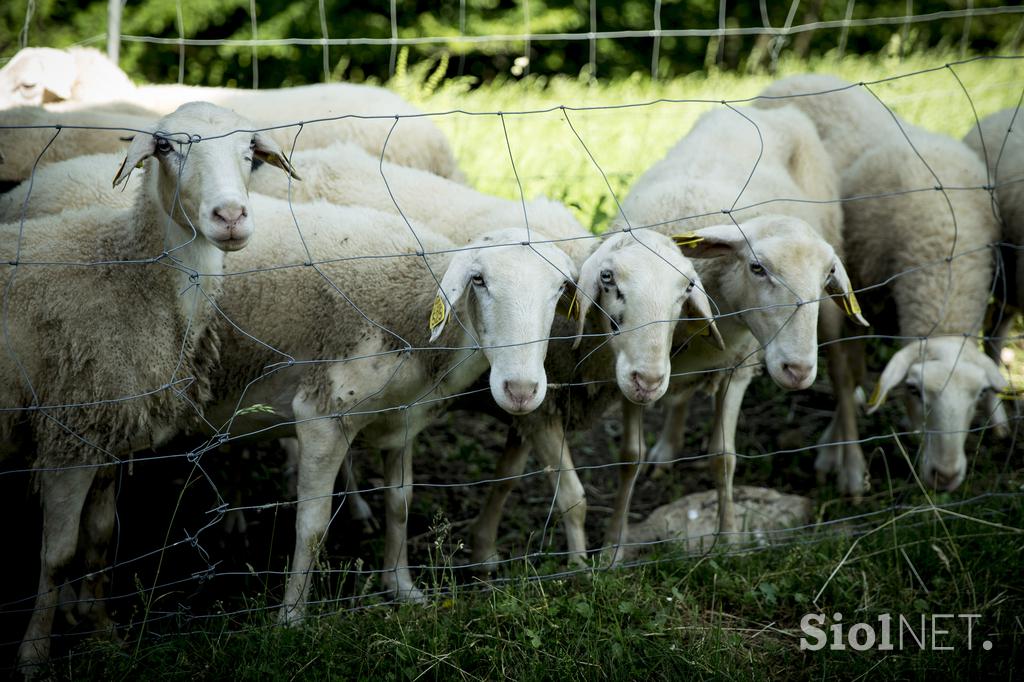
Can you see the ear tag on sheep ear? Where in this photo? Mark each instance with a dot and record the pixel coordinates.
(573, 313)
(688, 239)
(437, 313)
(876, 394)
(850, 305)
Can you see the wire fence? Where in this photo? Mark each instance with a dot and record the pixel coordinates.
(379, 373)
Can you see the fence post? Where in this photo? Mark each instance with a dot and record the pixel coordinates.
(114, 30)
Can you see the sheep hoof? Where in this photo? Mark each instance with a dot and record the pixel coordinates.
(410, 595)
(291, 615)
(485, 563)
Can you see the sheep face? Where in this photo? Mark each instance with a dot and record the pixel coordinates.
(202, 170)
(777, 270)
(37, 75)
(945, 378)
(641, 286)
(509, 290)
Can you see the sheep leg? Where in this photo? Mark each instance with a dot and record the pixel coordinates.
(95, 534)
(673, 432)
(548, 440)
(728, 400)
(630, 455)
(63, 495)
(484, 531)
(995, 412)
(358, 508)
(397, 499)
(846, 456)
(321, 451)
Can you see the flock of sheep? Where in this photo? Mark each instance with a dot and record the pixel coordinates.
(361, 300)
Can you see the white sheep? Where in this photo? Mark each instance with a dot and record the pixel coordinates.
(357, 328)
(777, 287)
(342, 174)
(369, 112)
(850, 119)
(596, 371)
(108, 341)
(998, 141)
(766, 272)
(923, 256)
(42, 75)
(31, 137)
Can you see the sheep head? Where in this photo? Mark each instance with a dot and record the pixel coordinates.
(778, 270)
(200, 160)
(640, 287)
(945, 377)
(503, 291)
(37, 75)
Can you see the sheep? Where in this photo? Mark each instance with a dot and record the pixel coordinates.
(103, 354)
(343, 174)
(370, 113)
(849, 119)
(67, 185)
(598, 370)
(766, 271)
(794, 170)
(41, 75)
(357, 330)
(26, 134)
(996, 141)
(922, 254)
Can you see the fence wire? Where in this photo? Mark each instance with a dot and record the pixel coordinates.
(205, 456)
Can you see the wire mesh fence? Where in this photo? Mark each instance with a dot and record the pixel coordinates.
(368, 329)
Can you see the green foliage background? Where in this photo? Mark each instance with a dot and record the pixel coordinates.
(59, 23)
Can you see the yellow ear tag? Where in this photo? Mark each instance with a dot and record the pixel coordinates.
(875, 395)
(850, 305)
(689, 239)
(574, 308)
(437, 313)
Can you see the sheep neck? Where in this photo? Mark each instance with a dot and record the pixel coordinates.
(196, 264)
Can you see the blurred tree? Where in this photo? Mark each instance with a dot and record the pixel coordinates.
(64, 22)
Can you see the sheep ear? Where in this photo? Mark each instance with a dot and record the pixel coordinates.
(567, 304)
(453, 288)
(996, 381)
(697, 305)
(141, 148)
(838, 284)
(893, 375)
(267, 150)
(711, 242)
(586, 291)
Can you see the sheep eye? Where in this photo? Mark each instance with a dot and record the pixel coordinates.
(914, 390)
(689, 287)
(163, 146)
(758, 269)
(478, 280)
(607, 277)
(252, 143)
(28, 86)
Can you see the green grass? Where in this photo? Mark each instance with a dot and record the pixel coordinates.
(718, 615)
(714, 616)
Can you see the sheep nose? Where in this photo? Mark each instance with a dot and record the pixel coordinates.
(797, 373)
(230, 214)
(521, 392)
(646, 382)
(942, 480)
